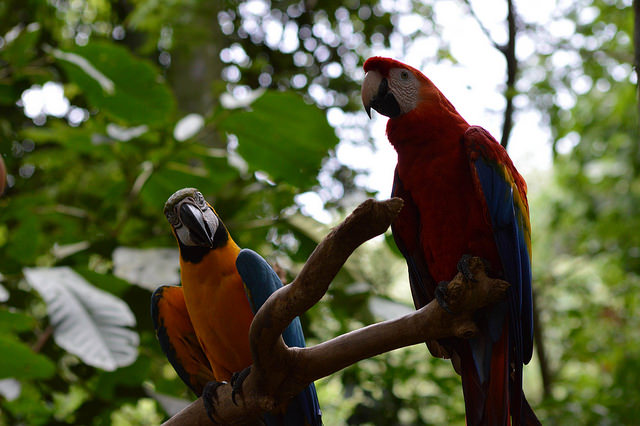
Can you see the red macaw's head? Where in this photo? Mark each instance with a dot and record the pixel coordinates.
(193, 220)
(393, 88)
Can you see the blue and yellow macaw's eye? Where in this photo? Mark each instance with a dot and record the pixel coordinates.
(173, 218)
(199, 200)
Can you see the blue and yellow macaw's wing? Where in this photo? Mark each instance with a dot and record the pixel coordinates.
(178, 338)
(260, 282)
(504, 193)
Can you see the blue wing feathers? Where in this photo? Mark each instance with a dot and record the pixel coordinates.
(513, 252)
(260, 282)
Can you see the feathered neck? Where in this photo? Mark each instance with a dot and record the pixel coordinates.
(434, 123)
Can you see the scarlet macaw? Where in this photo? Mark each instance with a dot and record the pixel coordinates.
(462, 196)
(203, 325)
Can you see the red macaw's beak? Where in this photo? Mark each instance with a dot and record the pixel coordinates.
(201, 230)
(376, 95)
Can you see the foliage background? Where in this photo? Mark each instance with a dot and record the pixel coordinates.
(93, 177)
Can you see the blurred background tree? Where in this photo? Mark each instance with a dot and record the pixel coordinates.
(106, 108)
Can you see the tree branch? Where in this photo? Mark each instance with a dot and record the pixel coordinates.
(509, 51)
(483, 28)
(280, 372)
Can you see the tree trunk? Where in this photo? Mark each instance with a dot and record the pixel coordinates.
(509, 51)
(195, 57)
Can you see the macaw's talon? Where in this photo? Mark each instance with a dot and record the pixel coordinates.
(237, 379)
(465, 268)
(441, 295)
(209, 397)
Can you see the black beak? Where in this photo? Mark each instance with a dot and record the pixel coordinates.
(384, 102)
(193, 219)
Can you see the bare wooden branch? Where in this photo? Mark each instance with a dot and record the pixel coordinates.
(509, 51)
(279, 372)
(483, 28)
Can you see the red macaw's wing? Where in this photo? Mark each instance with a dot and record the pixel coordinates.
(178, 338)
(504, 193)
(406, 230)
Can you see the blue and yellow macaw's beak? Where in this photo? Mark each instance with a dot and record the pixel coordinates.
(193, 220)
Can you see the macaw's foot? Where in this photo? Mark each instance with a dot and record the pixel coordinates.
(471, 288)
(209, 397)
(441, 295)
(464, 267)
(466, 264)
(237, 379)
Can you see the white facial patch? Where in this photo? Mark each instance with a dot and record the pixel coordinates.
(210, 221)
(404, 86)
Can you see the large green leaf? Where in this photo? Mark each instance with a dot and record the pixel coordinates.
(15, 321)
(87, 321)
(21, 47)
(123, 86)
(82, 139)
(283, 136)
(20, 362)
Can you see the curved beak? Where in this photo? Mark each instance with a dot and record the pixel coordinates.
(376, 94)
(200, 229)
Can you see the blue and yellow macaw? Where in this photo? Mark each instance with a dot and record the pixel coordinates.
(203, 325)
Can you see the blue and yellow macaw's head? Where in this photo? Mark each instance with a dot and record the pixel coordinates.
(195, 224)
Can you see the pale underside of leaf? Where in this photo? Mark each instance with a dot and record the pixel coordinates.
(87, 321)
(147, 268)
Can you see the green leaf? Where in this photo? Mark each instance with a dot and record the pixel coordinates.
(108, 382)
(88, 322)
(15, 321)
(80, 139)
(164, 182)
(29, 407)
(390, 242)
(20, 362)
(123, 86)
(20, 50)
(25, 239)
(8, 94)
(106, 282)
(65, 404)
(282, 136)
